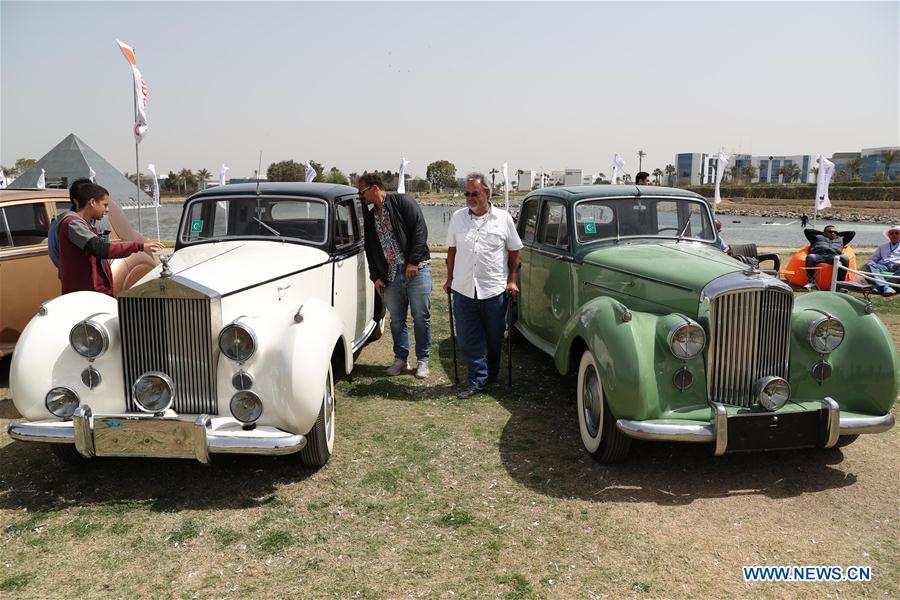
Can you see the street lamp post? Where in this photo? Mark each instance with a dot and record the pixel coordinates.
(641, 155)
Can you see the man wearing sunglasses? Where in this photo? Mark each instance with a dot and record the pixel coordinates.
(886, 259)
(482, 262)
(400, 266)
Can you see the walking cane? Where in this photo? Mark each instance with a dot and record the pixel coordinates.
(453, 336)
(511, 310)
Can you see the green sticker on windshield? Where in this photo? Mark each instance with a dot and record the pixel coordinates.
(590, 228)
(197, 225)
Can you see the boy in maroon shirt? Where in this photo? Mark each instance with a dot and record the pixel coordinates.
(83, 264)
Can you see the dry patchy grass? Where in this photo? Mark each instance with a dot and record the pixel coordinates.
(428, 496)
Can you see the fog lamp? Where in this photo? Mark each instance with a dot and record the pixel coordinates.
(89, 339)
(246, 406)
(686, 340)
(772, 392)
(61, 402)
(826, 334)
(237, 342)
(683, 378)
(821, 371)
(153, 392)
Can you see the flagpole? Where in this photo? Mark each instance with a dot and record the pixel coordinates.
(137, 163)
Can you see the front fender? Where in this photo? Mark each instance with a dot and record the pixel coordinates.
(44, 359)
(636, 366)
(865, 368)
(290, 365)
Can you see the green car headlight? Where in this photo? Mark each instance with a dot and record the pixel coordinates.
(686, 340)
(826, 334)
(237, 342)
(89, 339)
(61, 402)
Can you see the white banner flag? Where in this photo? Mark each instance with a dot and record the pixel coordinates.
(42, 181)
(721, 163)
(222, 172)
(152, 170)
(505, 170)
(2, 179)
(401, 187)
(140, 90)
(823, 179)
(310, 173)
(618, 163)
(92, 173)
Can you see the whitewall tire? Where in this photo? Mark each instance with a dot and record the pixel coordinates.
(599, 433)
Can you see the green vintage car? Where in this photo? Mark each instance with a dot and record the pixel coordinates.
(674, 340)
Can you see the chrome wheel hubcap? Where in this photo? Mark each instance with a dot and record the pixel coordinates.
(592, 402)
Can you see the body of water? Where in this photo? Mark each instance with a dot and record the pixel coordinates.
(762, 231)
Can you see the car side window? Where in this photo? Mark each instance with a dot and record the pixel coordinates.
(554, 230)
(360, 230)
(27, 224)
(344, 235)
(528, 219)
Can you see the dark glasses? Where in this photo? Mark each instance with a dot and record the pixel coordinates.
(472, 194)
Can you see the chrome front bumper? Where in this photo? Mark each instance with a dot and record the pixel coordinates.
(716, 430)
(157, 437)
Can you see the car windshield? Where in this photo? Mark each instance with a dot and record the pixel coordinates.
(597, 220)
(302, 219)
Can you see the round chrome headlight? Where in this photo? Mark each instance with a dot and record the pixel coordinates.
(772, 392)
(153, 392)
(89, 339)
(826, 334)
(237, 342)
(246, 406)
(61, 402)
(686, 340)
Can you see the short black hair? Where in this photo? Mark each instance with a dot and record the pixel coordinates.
(87, 192)
(641, 176)
(370, 179)
(73, 189)
(827, 227)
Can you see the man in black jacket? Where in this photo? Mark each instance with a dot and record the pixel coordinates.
(823, 247)
(400, 267)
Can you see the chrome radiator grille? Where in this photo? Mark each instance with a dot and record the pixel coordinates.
(174, 336)
(749, 339)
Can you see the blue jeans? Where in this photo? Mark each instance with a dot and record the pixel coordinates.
(479, 329)
(881, 282)
(815, 259)
(414, 294)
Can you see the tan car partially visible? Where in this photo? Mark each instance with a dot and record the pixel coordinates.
(27, 275)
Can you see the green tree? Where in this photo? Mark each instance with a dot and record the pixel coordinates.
(441, 174)
(890, 158)
(670, 173)
(749, 172)
(733, 171)
(22, 165)
(657, 173)
(335, 176)
(202, 176)
(286, 170)
(789, 172)
(418, 186)
(855, 166)
(187, 179)
(171, 184)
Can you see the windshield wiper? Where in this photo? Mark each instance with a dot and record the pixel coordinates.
(683, 229)
(266, 226)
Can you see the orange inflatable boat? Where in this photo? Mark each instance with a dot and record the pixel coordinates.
(795, 270)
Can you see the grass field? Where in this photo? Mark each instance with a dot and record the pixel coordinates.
(428, 496)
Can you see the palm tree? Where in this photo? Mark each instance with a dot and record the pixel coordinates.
(203, 175)
(815, 173)
(855, 166)
(657, 173)
(749, 172)
(734, 171)
(890, 157)
(670, 173)
(641, 155)
(789, 172)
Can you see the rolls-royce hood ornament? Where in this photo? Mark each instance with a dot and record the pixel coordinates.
(166, 272)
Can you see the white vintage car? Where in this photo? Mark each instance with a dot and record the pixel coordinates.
(230, 346)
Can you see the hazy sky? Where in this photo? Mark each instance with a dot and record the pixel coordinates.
(541, 84)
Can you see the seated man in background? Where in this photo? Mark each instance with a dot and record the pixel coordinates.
(722, 245)
(886, 259)
(823, 247)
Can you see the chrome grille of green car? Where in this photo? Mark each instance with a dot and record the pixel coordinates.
(749, 338)
(174, 336)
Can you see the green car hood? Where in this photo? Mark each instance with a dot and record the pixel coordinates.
(658, 276)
